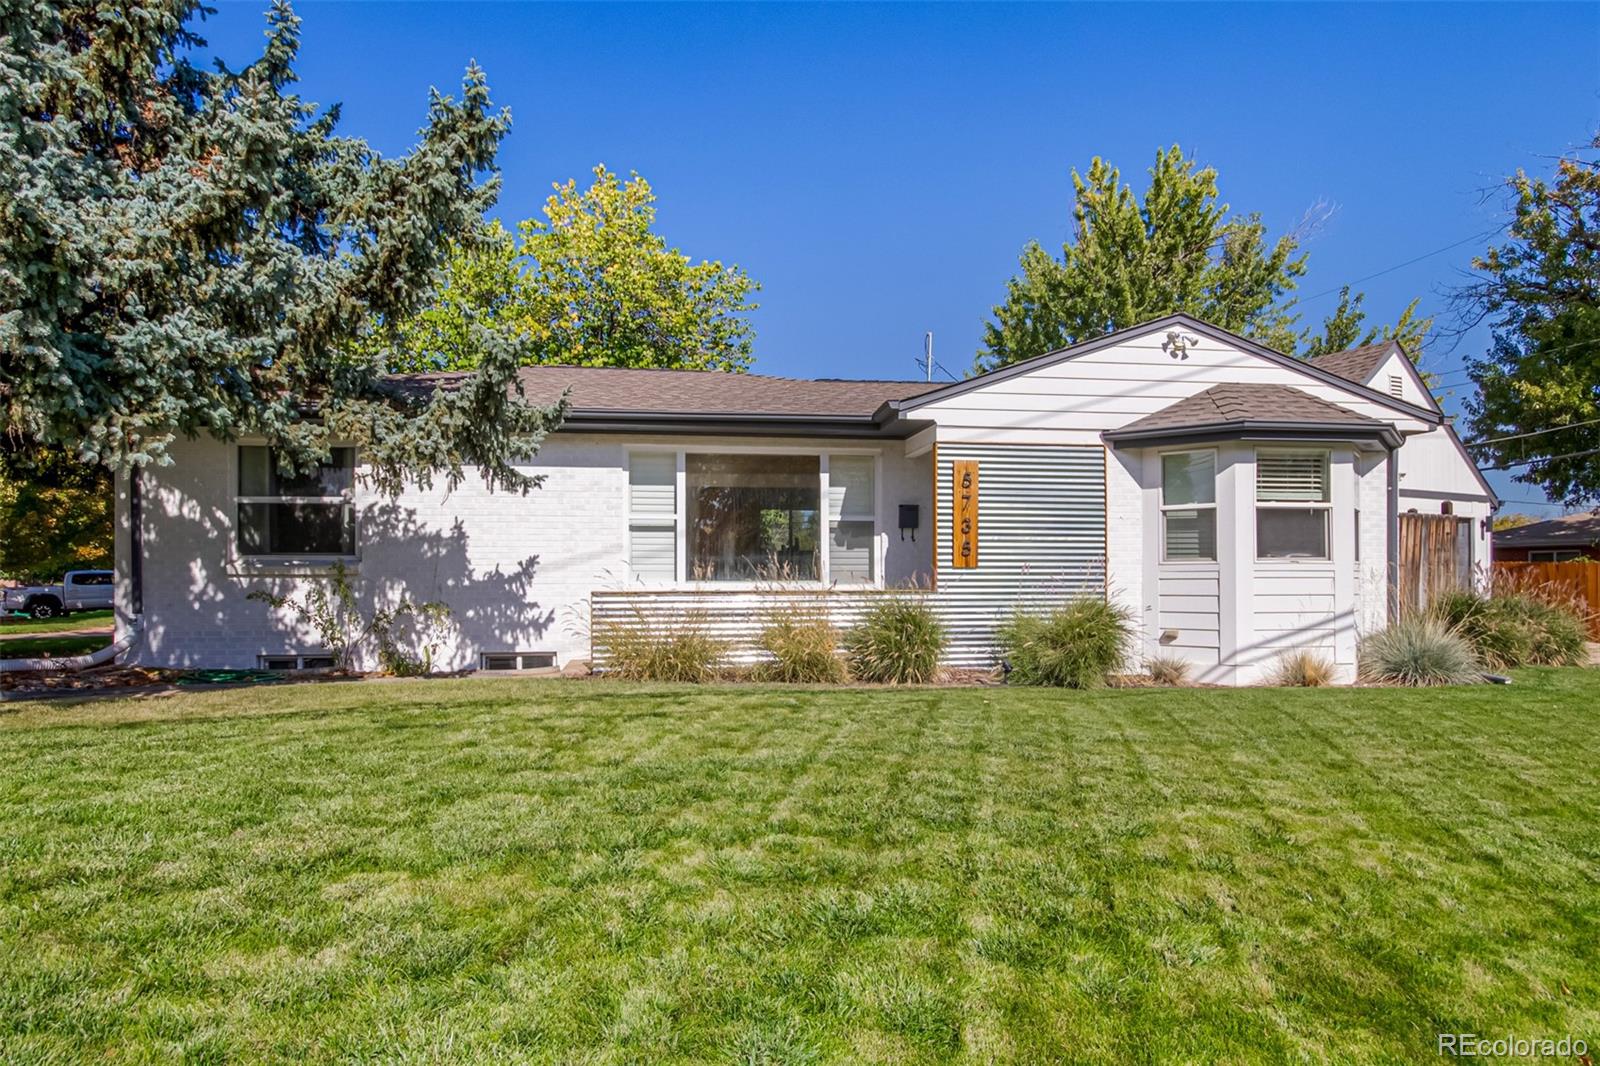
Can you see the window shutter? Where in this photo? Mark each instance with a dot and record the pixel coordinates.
(850, 487)
(1291, 477)
(652, 484)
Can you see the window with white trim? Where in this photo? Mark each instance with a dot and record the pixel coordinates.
(752, 517)
(653, 516)
(1189, 506)
(852, 527)
(1554, 555)
(1292, 504)
(310, 514)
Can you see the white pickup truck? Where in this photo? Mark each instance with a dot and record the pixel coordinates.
(80, 590)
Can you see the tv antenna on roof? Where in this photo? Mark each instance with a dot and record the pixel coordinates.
(927, 351)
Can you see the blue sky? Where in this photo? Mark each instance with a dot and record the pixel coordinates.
(879, 168)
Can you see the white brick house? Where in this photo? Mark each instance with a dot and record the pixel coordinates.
(1239, 501)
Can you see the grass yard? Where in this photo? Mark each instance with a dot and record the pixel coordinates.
(511, 870)
(12, 624)
(30, 647)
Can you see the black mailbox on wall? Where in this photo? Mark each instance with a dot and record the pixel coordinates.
(910, 518)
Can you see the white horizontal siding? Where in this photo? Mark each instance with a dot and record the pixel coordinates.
(1188, 607)
(1076, 399)
(1293, 608)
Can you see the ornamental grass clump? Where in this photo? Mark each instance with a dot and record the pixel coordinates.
(1168, 670)
(682, 653)
(898, 641)
(1073, 646)
(1302, 668)
(1516, 627)
(804, 649)
(1418, 650)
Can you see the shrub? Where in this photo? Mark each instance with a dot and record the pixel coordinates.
(804, 649)
(1418, 650)
(1074, 646)
(1513, 628)
(898, 641)
(643, 653)
(1302, 668)
(1168, 670)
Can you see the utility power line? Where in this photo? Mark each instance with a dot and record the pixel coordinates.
(1534, 433)
(1543, 459)
(1400, 266)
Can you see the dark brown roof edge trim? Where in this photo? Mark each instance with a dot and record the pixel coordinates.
(737, 425)
(1216, 333)
(1384, 434)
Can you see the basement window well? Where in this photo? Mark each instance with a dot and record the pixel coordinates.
(517, 660)
(296, 661)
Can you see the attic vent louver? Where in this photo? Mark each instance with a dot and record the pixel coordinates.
(1396, 386)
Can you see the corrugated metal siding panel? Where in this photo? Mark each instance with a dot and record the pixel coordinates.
(736, 617)
(1042, 538)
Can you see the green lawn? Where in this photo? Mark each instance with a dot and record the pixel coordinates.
(12, 624)
(510, 870)
(28, 647)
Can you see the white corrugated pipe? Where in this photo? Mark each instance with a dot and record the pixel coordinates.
(79, 662)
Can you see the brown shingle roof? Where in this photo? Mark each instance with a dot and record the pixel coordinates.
(1355, 364)
(1569, 531)
(701, 392)
(1233, 404)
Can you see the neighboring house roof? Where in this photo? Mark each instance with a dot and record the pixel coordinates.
(604, 394)
(1188, 323)
(1570, 531)
(1241, 408)
(1355, 364)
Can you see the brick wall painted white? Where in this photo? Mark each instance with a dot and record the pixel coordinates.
(516, 570)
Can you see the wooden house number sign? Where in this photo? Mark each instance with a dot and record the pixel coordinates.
(964, 544)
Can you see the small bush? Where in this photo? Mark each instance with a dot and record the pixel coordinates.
(641, 653)
(1168, 670)
(1419, 650)
(1515, 628)
(898, 641)
(1074, 646)
(804, 649)
(1302, 668)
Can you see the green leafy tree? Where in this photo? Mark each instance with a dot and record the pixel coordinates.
(1346, 328)
(1178, 248)
(589, 284)
(55, 514)
(1540, 291)
(1513, 520)
(188, 251)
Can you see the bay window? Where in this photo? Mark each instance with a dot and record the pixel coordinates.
(1292, 504)
(1189, 506)
(752, 517)
(309, 514)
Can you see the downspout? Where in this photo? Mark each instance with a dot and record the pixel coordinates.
(135, 547)
(1392, 532)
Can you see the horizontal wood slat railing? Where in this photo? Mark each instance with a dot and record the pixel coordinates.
(1579, 579)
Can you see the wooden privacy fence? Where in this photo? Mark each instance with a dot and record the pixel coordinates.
(1579, 579)
(1435, 557)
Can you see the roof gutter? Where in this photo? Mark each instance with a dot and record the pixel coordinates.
(1381, 433)
(731, 423)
